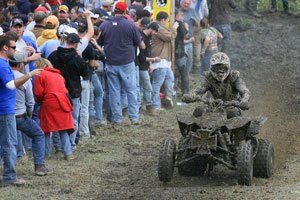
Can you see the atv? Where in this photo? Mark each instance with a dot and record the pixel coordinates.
(209, 138)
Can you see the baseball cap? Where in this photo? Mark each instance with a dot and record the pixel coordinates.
(41, 9)
(73, 38)
(154, 26)
(1, 31)
(39, 16)
(121, 6)
(17, 58)
(16, 21)
(145, 22)
(107, 2)
(69, 31)
(61, 29)
(52, 20)
(63, 8)
(94, 16)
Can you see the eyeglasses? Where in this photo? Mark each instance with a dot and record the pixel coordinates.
(13, 47)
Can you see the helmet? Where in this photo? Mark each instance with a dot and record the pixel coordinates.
(220, 66)
(220, 58)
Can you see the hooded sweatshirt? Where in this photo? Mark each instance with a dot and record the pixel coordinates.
(47, 34)
(72, 67)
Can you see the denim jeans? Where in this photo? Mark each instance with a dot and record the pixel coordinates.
(161, 76)
(124, 100)
(8, 143)
(65, 143)
(84, 111)
(96, 98)
(118, 77)
(205, 62)
(224, 44)
(188, 49)
(20, 146)
(75, 115)
(182, 74)
(52, 138)
(30, 128)
(145, 88)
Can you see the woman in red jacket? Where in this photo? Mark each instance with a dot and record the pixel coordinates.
(56, 110)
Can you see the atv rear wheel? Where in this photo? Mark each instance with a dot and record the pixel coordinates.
(192, 167)
(245, 163)
(166, 160)
(264, 159)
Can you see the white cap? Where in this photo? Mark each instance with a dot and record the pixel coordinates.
(61, 29)
(1, 31)
(108, 2)
(93, 15)
(70, 30)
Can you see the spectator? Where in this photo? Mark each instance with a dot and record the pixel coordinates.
(201, 10)
(23, 111)
(285, 4)
(52, 24)
(74, 14)
(24, 6)
(40, 22)
(56, 108)
(251, 7)
(189, 19)
(219, 17)
(54, 4)
(72, 66)
(24, 44)
(162, 72)
(63, 12)
(182, 69)
(12, 11)
(106, 8)
(120, 37)
(209, 39)
(8, 136)
(145, 61)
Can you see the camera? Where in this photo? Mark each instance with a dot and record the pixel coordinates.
(80, 10)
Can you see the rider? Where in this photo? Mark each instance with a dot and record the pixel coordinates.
(224, 84)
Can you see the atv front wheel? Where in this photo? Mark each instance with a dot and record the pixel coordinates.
(264, 159)
(166, 160)
(245, 163)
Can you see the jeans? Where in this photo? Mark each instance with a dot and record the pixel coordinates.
(30, 128)
(8, 143)
(118, 77)
(96, 98)
(161, 76)
(20, 146)
(145, 88)
(52, 138)
(75, 115)
(124, 100)
(182, 74)
(65, 143)
(224, 44)
(84, 112)
(188, 49)
(205, 62)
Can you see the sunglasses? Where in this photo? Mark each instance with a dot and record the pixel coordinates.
(13, 47)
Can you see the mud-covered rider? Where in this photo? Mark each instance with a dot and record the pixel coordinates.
(223, 83)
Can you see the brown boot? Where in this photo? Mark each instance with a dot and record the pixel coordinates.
(149, 109)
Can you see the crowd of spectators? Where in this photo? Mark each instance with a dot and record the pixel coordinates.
(69, 66)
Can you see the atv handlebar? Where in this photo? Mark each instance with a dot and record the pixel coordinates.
(190, 98)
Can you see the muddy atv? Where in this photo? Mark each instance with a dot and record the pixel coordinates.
(210, 138)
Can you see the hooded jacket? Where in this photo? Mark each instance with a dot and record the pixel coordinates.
(72, 67)
(47, 34)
